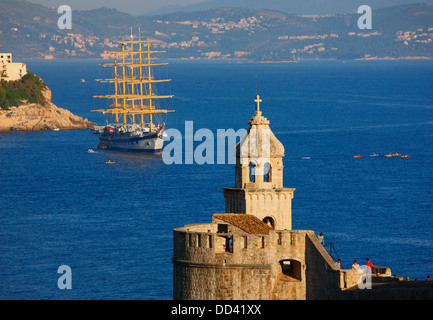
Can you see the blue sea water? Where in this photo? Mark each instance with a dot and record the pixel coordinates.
(112, 223)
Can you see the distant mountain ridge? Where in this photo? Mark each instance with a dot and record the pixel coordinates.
(30, 31)
(304, 7)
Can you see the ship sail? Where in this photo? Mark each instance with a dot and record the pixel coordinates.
(134, 102)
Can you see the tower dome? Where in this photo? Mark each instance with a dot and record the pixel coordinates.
(259, 155)
(260, 134)
(258, 189)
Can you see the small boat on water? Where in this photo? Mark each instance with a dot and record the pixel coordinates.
(357, 156)
(90, 151)
(109, 161)
(374, 155)
(389, 155)
(405, 156)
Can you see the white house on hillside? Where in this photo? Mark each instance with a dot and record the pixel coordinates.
(10, 70)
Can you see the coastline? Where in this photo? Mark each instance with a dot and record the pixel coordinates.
(398, 58)
(358, 59)
(37, 117)
(241, 60)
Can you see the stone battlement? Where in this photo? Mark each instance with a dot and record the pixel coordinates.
(273, 265)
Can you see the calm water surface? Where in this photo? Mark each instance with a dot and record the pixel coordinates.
(112, 224)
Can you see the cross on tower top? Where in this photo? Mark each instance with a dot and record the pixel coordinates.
(257, 101)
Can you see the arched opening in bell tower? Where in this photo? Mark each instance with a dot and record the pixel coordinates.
(269, 221)
(252, 172)
(267, 172)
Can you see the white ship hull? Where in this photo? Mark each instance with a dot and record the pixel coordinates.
(131, 141)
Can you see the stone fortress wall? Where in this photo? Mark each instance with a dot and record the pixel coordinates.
(279, 265)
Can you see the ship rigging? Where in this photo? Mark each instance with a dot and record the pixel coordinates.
(135, 100)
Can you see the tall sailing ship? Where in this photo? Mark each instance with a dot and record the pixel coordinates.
(135, 103)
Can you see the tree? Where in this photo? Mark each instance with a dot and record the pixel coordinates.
(29, 89)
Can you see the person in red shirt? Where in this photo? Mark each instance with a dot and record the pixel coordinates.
(369, 265)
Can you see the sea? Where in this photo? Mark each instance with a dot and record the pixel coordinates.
(112, 224)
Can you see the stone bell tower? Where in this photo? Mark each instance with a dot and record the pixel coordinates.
(259, 187)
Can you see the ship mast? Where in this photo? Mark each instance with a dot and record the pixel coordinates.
(139, 83)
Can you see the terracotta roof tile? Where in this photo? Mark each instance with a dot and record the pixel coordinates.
(245, 222)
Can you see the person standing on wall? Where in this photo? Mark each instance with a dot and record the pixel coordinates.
(321, 238)
(369, 265)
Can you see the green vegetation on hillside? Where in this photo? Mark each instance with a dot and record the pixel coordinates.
(27, 90)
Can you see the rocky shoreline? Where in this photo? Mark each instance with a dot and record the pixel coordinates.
(31, 117)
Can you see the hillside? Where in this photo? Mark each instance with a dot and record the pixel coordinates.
(31, 117)
(26, 105)
(30, 31)
(304, 7)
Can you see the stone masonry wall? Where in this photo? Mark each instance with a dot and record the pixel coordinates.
(256, 267)
(254, 270)
(323, 277)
